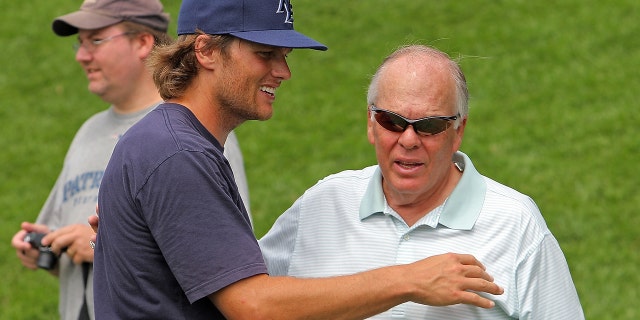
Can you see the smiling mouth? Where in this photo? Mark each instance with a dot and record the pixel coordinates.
(269, 90)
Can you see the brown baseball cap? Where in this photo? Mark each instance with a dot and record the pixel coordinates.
(97, 14)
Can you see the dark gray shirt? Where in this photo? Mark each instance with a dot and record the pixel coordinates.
(173, 228)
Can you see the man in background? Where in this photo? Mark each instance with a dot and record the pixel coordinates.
(115, 37)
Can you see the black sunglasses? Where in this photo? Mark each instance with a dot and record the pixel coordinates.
(428, 126)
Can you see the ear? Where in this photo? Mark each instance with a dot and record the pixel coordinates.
(146, 42)
(206, 58)
(370, 124)
(460, 133)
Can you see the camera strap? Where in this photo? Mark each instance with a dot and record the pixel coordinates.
(84, 311)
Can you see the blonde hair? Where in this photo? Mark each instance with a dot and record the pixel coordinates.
(175, 65)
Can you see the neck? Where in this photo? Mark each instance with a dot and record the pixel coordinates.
(208, 115)
(137, 98)
(199, 97)
(412, 207)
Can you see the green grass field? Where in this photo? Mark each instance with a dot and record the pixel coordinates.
(553, 86)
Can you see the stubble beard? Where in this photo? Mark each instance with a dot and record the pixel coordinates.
(238, 101)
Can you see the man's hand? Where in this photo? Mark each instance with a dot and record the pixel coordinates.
(26, 253)
(75, 239)
(451, 279)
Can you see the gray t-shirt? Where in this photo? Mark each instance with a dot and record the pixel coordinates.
(75, 194)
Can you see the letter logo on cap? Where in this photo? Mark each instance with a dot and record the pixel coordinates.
(285, 6)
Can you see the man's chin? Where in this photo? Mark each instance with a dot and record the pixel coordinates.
(266, 117)
(97, 90)
(263, 114)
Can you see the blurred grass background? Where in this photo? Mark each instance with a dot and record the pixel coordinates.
(553, 88)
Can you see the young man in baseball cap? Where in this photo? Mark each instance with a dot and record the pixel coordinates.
(115, 37)
(175, 241)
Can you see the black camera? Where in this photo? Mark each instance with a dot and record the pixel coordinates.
(47, 259)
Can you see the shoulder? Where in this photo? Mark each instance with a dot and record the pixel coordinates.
(168, 137)
(513, 210)
(97, 119)
(501, 195)
(349, 176)
(170, 128)
(338, 191)
(348, 180)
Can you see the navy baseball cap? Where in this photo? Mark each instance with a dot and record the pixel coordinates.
(267, 22)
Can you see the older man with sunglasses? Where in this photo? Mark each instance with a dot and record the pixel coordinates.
(424, 198)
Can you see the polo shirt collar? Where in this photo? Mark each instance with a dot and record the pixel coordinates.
(461, 209)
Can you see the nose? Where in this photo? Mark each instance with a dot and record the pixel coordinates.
(409, 139)
(281, 69)
(82, 54)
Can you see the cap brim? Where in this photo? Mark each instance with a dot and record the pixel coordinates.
(281, 38)
(70, 23)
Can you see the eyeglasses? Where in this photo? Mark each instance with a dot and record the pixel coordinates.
(92, 45)
(428, 126)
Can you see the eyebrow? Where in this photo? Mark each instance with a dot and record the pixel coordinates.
(93, 33)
